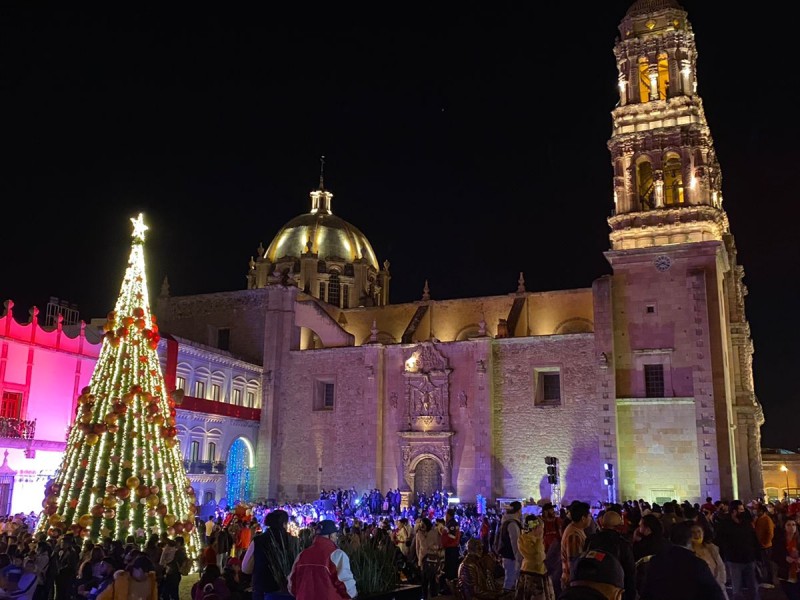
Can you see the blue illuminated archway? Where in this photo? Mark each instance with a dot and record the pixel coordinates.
(239, 470)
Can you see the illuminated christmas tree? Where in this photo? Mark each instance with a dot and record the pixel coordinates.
(122, 473)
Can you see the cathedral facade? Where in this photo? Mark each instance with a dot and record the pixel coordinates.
(639, 385)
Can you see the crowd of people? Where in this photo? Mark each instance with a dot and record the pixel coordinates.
(634, 550)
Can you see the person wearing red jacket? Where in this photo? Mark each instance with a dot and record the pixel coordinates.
(322, 571)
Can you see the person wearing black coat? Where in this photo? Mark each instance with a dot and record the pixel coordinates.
(677, 572)
(739, 548)
(267, 556)
(608, 538)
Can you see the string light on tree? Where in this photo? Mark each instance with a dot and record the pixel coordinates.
(122, 473)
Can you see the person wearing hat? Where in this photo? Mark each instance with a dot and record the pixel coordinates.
(507, 547)
(596, 575)
(322, 571)
(609, 539)
(573, 539)
(552, 525)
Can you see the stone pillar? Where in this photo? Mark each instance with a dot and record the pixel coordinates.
(279, 338)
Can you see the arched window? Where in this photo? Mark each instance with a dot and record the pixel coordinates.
(333, 289)
(194, 451)
(644, 80)
(663, 76)
(673, 181)
(644, 184)
(212, 451)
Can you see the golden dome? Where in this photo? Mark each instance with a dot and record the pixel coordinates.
(323, 233)
(645, 7)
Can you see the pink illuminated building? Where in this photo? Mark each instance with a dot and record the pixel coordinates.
(42, 370)
(44, 363)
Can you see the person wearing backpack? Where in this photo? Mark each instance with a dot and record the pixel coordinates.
(610, 540)
(507, 545)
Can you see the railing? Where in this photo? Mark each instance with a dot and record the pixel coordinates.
(196, 467)
(220, 408)
(19, 429)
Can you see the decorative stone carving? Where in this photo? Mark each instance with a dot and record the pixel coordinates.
(393, 399)
(417, 445)
(462, 399)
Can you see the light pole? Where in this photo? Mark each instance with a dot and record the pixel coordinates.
(785, 469)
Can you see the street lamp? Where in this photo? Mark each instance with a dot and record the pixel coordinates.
(785, 469)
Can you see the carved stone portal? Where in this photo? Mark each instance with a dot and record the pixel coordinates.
(417, 447)
(427, 434)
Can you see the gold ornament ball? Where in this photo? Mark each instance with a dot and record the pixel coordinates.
(169, 520)
(132, 482)
(92, 439)
(85, 520)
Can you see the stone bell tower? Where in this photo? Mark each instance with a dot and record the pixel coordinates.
(682, 347)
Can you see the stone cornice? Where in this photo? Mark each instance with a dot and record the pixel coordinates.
(192, 349)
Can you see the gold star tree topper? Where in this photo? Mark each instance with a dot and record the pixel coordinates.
(139, 228)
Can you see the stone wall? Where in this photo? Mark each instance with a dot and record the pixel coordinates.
(658, 454)
(524, 434)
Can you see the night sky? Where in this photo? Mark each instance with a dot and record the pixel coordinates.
(468, 144)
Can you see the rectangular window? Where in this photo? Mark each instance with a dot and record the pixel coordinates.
(328, 395)
(180, 383)
(251, 400)
(224, 338)
(194, 451)
(215, 391)
(322, 291)
(324, 395)
(212, 451)
(548, 388)
(237, 397)
(654, 381)
(345, 296)
(199, 389)
(11, 406)
(209, 497)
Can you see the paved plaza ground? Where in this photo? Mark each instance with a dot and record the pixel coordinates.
(188, 581)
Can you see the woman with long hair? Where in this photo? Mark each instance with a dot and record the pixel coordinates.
(709, 552)
(786, 555)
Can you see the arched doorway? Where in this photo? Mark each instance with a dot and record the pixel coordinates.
(427, 477)
(238, 472)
